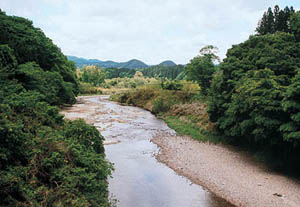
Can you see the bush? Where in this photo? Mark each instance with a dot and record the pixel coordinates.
(161, 105)
(87, 88)
(44, 161)
(172, 85)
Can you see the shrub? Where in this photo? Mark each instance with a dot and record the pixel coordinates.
(87, 88)
(172, 85)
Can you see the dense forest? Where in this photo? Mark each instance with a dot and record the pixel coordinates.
(255, 93)
(44, 160)
(169, 72)
(159, 71)
(131, 64)
(96, 76)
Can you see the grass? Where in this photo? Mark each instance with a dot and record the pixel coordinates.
(191, 129)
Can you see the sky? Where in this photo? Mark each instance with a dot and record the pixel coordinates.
(148, 30)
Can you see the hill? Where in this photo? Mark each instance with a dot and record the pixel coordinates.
(131, 64)
(167, 63)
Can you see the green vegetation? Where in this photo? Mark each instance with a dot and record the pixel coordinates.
(161, 71)
(190, 128)
(94, 80)
(131, 64)
(275, 21)
(253, 98)
(202, 68)
(92, 75)
(119, 73)
(183, 110)
(44, 160)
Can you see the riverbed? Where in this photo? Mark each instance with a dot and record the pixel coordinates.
(139, 180)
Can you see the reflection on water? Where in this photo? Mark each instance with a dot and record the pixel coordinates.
(139, 180)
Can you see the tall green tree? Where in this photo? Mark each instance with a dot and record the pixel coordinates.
(201, 68)
(93, 75)
(277, 20)
(29, 44)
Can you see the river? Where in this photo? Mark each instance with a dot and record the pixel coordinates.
(139, 180)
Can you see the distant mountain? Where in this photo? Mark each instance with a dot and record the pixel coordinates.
(167, 63)
(134, 64)
(131, 64)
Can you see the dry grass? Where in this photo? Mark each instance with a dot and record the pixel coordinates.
(193, 113)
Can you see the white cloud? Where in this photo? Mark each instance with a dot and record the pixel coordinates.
(150, 30)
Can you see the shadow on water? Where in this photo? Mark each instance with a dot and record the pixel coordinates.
(139, 180)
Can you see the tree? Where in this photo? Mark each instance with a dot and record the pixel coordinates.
(201, 68)
(270, 26)
(8, 62)
(93, 75)
(295, 25)
(291, 105)
(275, 21)
(254, 96)
(44, 160)
(30, 44)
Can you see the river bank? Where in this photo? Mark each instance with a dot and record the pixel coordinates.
(139, 179)
(227, 172)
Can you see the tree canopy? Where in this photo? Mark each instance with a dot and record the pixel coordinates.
(254, 98)
(23, 44)
(44, 160)
(201, 68)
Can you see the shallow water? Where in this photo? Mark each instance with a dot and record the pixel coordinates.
(139, 180)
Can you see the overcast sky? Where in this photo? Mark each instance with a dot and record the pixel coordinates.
(149, 30)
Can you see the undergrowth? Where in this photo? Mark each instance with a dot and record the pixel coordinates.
(191, 129)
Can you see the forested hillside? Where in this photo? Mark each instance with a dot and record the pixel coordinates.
(169, 72)
(44, 160)
(163, 71)
(131, 64)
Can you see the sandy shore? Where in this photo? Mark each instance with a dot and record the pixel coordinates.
(228, 173)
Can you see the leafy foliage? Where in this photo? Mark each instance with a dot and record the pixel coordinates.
(44, 161)
(22, 43)
(92, 75)
(254, 95)
(202, 68)
(161, 71)
(291, 105)
(172, 85)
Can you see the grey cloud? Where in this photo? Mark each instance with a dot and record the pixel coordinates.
(151, 30)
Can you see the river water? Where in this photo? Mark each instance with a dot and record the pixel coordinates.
(139, 180)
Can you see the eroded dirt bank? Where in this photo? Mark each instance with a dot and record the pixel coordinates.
(228, 173)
